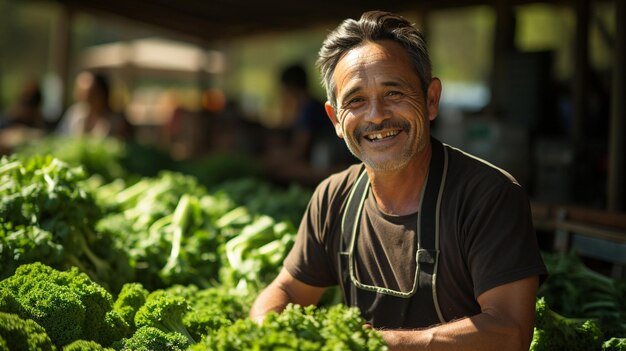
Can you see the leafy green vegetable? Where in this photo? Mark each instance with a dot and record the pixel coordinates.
(47, 215)
(130, 299)
(85, 345)
(297, 328)
(212, 308)
(165, 312)
(67, 304)
(149, 338)
(614, 344)
(253, 257)
(22, 334)
(94, 155)
(573, 289)
(261, 197)
(556, 332)
(166, 225)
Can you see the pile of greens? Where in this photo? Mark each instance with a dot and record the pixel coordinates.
(574, 290)
(554, 331)
(47, 215)
(297, 328)
(579, 308)
(67, 304)
(158, 231)
(112, 159)
(47, 309)
(53, 309)
(96, 156)
(177, 233)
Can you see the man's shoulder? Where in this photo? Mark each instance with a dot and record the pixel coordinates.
(338, 185)
(470, 168)
(342, 179)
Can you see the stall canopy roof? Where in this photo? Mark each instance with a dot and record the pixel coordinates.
(210, 20)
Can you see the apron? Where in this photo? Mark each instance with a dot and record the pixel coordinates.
(419, 307)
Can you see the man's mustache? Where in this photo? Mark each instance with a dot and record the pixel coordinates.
(377, 127)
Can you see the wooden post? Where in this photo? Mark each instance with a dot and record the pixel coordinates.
(61, 47)
(617, 130)
(503, 46)
(580, 78)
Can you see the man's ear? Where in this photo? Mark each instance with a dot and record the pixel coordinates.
(330, 111)
(432, 98)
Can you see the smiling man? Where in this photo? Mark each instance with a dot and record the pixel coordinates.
(434, 246)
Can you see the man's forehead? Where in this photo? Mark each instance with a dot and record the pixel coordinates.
(368, 53)
(384, 56)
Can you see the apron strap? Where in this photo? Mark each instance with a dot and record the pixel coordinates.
(428, 223)
(427, 255)
(351, 213)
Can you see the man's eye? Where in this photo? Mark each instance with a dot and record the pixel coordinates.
(394, 93)
(354, 101)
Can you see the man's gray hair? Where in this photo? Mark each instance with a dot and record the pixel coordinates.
(372, 26)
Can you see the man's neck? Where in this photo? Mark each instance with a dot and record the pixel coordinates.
(399, 192)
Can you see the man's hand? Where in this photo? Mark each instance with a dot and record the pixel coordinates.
(283, 290)
(505, 323)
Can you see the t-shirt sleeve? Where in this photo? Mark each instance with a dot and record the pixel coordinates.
(501, 242)
(308, 260)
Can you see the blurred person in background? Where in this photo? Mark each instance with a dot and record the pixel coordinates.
(91, 114)
(435, 247)
(24, 121)
(311, 151)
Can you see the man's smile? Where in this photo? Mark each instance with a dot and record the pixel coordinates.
(382, 135)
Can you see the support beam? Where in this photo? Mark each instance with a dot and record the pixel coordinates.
(616, 194)
(503, 47)
(581, 72)
(61, 51)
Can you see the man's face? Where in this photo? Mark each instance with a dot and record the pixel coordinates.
(381, 111)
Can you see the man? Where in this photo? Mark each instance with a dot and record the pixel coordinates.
(434, 246)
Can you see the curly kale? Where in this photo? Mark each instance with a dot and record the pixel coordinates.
(22, 334)
(85, 345)
(67, 304)
(130, 299)
(210, 308)
(165, 312)
(9, 303)
(297, 328)
(149, 338)
(556, 332)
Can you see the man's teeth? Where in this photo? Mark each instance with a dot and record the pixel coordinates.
(379, 136)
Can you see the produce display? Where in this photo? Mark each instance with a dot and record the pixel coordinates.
(578, 308)
(576, 291)
(95, 255)
(554, 331)
(99, 258)
(48, 216)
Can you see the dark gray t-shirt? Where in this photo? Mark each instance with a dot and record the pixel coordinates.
(486, 237)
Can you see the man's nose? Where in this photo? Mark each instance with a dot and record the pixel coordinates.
(377, 111)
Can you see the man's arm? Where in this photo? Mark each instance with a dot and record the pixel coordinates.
(283, 290)
(505, 323)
